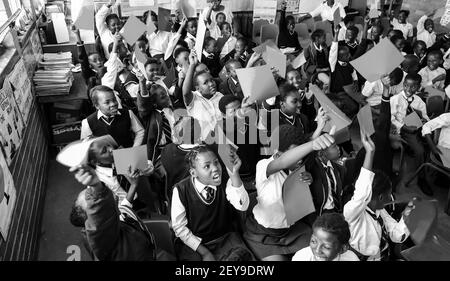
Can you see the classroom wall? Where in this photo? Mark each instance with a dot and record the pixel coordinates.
(29, 171)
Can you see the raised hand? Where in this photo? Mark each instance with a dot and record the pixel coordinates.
(193, 60)
(85, 175)
(367, 142)
(322, 142)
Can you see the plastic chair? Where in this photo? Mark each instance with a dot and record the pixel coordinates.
(269, 31)
(160, 228)
(256, 34)
(303, 34)
(324, 25)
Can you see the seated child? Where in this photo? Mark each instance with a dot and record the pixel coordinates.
(376, 33)
(346, 23)
(240, 52)
(399, 42)
(402, 105)
(373, 91)
(121, 124)
(111, 232)
(214, 19)
(241, 116)
(317, 56)
(107, 25)
(433, 74)
(329, 241)
(401, 24)
(420, 51)
(231, 86)
(293, 77)
(202, 103)
(350, 40)
(191, 32)
(186, 136)
(425, 31)
(204, 208)
(371, 226)
(210, 57)
(230, 43)
(288, 37)
(159, 39)
(267, 231)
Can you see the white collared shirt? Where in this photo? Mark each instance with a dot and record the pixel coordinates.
(106, 36)
(326, 12)
(423, 34)
(365, 231)
(373, 91)
(158, 42)
(329, 204)
(106, 176)
(136, 128)
(269, 211)
(237, 196)
(399, 106)
(206, 111)
(428, 76)
(226, 11)
(228, 47)
(406, 28)
(190, 40)
(441, 122)
(333, 59)
(306, 254)
(342, 32)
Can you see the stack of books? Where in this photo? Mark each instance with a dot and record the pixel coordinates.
(54, 75)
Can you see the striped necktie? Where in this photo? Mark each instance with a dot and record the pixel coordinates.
(384, 244)
(166, 128)
(336, 201)
(209, 194)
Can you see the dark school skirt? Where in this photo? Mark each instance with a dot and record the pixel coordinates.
(266, 242)
(229, 247)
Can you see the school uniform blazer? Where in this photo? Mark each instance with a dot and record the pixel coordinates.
(228, 87)
(319, 186)
(152, 122)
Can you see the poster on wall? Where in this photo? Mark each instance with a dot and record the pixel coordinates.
(11, 126)
(29, 59)
(293, 6)
(265, 10)
(7, 197)
(36, 45)
(22, 88)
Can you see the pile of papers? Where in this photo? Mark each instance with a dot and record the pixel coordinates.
(54, 75)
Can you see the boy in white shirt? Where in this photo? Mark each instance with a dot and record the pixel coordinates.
(432, 74)
(404, 104)
(401, 24)
(203, 103)
(191, 32)
(371, 226)
(425, 31)
(107, 25)
(159, 39)
(230, 43)
(373, 91)
(214, 16)
(329, 241)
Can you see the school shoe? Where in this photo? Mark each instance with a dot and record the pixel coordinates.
(424, 187)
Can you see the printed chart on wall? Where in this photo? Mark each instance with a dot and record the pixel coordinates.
(11, 126)
(7, 197)
(22, 89)
(36, 45)
(265, 10)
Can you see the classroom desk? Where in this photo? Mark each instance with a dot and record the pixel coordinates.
(78, 91)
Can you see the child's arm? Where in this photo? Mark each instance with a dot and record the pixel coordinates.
(235, 191)
(112, 65)
(321, 119)
(100, 17)
(333, 56)
(293, 156)
(207, 18)
(282, 23)
(187, 85)
(421, 24)
(82, 55)
(363, 187)
(366, 27)
(143, 100)
(102, 224)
